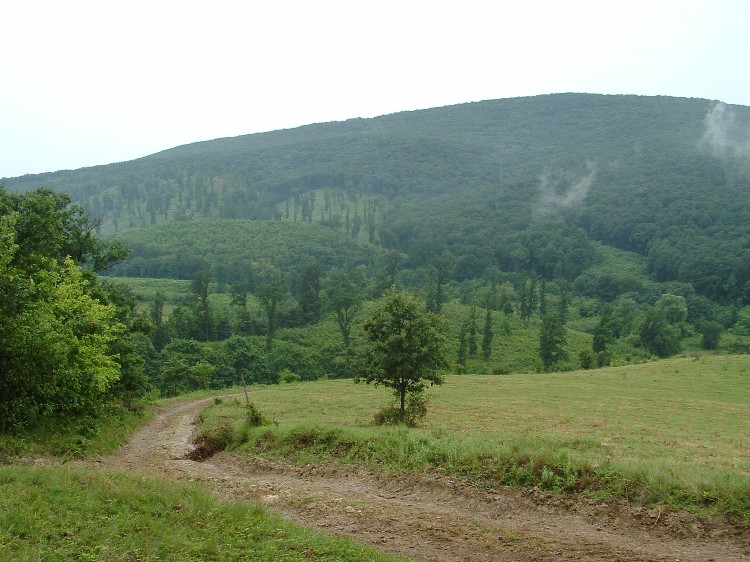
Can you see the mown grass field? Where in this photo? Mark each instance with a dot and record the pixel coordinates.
(673, 432)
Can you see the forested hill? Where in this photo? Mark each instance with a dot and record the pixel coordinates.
(521, 184)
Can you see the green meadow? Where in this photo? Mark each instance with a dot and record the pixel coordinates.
(673, 433)
(60, 514)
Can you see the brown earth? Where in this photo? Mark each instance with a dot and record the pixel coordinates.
(429, 518)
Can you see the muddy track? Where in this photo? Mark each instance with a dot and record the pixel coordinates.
(428, 518)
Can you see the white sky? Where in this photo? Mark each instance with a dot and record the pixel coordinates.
(94, 82)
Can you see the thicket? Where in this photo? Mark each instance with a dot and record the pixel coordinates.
(67, 341)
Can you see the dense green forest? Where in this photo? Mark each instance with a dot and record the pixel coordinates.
(551, 232)
(521, 184)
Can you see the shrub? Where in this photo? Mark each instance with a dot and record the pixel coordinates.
(415, 412)
(254, 416)
(287, 376)
(586, 359)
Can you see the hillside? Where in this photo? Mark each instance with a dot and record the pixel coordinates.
(519, 184)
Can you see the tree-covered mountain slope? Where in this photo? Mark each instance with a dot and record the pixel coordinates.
(521, 184)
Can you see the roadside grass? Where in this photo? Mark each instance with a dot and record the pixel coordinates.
(86, 436)
(673, 433)
(62, 514)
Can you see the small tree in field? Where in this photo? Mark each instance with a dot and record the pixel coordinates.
(403, 347)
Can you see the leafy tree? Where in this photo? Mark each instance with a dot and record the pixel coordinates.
(390, 262)
(586, 358)
(461, 353)
(711, 334)
(472, 331)
(403, 347)
(271, 295)
(178, 360)
(658, 335)
(201, 287)
(528, 297)
(603, 332)
(246, 358)
(674, 309)
(552, 340)
(309, 292)
(345, 301)
(487, 335)
(160, 336)
(441, 268)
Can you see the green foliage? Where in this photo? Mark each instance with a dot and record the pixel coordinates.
(345, 300)
(487, 335)
(412, 416)
(57, 337)
(664, 325)
(586, 359)
(710, 334)
(254, 416)
(248, 360)
(287, 377)
(502, 177)
(251, 249)
(403, 347)
(552, 340)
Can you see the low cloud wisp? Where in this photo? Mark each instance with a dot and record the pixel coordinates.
(555, 197)
(725, 135)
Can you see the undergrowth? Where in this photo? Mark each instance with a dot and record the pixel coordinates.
(74, 438)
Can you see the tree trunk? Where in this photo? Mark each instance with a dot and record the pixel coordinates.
(244, 387)
(403, 401)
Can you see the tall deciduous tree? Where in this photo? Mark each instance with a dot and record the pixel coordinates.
(442, 267)
(270, 296)
(403, 347)
(487, 335)
(345, 301)
(309, 291)
(201, 287)
(528, 297)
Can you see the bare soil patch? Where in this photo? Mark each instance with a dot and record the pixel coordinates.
(427, 517)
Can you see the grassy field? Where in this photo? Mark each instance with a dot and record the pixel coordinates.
(60, 514)
(673, 432)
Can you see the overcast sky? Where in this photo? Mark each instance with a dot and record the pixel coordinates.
(86, 83)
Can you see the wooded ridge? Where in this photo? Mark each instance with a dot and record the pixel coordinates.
(521, 184)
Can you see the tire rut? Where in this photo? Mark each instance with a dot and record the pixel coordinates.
(427, 517)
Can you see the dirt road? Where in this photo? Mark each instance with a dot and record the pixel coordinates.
(429, 518)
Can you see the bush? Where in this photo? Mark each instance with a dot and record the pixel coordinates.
(254, 416)
(414, 414)
(287, 376)
(586, 359)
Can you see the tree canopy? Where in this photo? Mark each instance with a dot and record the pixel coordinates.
(57, 330)
(403, 347)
